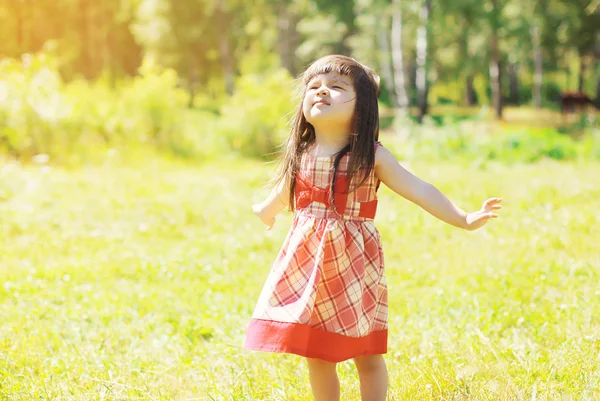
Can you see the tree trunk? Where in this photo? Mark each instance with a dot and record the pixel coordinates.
(224, 48)
(342, 47)
(470, 91)
(108, 26)
(496, 80)
(385, 59)
(598, 80)
(192, 77)
(581, 78)
(467, 69)
(513, 84)
(227, 63)
(495, 63)
(422, 59)
(539, 67)
(20, 28)
(399, 82)
(85, 39)
(597, 63)
(287, 23)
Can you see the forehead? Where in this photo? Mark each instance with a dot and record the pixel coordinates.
(331, 76)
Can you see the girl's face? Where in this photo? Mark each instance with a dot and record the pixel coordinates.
(329, 100)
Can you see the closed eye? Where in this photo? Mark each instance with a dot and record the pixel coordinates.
(336, 86)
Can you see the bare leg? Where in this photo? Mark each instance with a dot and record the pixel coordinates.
(323, 380)
(373, 377)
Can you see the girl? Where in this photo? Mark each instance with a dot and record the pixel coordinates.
(326, 295)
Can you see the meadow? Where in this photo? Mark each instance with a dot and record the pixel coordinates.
(135, 281)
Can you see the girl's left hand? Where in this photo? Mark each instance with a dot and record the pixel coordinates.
(260, 212)
(477, 219)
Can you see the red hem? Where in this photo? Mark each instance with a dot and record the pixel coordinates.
(303, 340)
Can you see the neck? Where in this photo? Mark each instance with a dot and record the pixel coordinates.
(330, 140)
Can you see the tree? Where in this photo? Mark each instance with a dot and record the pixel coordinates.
(399, 84)
(187, 36)
(423, 59)
(495, 56)
(289, 38)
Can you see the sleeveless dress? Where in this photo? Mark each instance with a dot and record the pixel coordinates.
(326, 294)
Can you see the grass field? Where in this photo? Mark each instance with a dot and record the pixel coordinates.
(136, 283)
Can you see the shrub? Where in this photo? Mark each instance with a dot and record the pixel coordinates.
(255, 119)
(82, 120)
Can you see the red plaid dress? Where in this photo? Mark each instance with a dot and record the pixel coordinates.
(326, 294)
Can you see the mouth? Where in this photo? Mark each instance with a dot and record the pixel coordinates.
(318, 102)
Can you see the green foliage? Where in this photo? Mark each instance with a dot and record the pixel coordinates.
(81, 120)
(531, 145)
(255, 119)
(145, 110)
(450, 139)
(551, 94)
(32, 106)
(209, 41)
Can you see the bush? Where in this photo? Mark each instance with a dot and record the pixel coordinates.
(551, 94)
(32, 106)
(255, 119)
(508, 145)
(533, 144)
(82, 120)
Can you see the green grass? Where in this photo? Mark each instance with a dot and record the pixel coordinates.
(137, 282)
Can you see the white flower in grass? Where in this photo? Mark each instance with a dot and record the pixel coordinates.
(41, 158)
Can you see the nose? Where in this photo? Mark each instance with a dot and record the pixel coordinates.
(322, 90)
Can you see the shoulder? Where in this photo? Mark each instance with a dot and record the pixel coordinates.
(383, 156)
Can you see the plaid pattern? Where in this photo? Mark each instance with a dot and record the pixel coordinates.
(329, 274)
(318, 170)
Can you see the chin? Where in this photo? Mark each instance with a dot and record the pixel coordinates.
(316, 119)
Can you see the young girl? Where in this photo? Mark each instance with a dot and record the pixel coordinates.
(326, 295)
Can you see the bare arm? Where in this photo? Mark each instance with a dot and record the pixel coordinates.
(274, 203)
(427, 196)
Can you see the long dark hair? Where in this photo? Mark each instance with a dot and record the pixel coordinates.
(365, 123)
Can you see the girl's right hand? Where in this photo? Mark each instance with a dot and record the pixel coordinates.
(260, 212)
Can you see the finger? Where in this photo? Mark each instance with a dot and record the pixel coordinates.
(493, 201)
(496, 207)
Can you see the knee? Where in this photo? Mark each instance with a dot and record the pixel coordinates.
(319, 364)
(369, 363)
